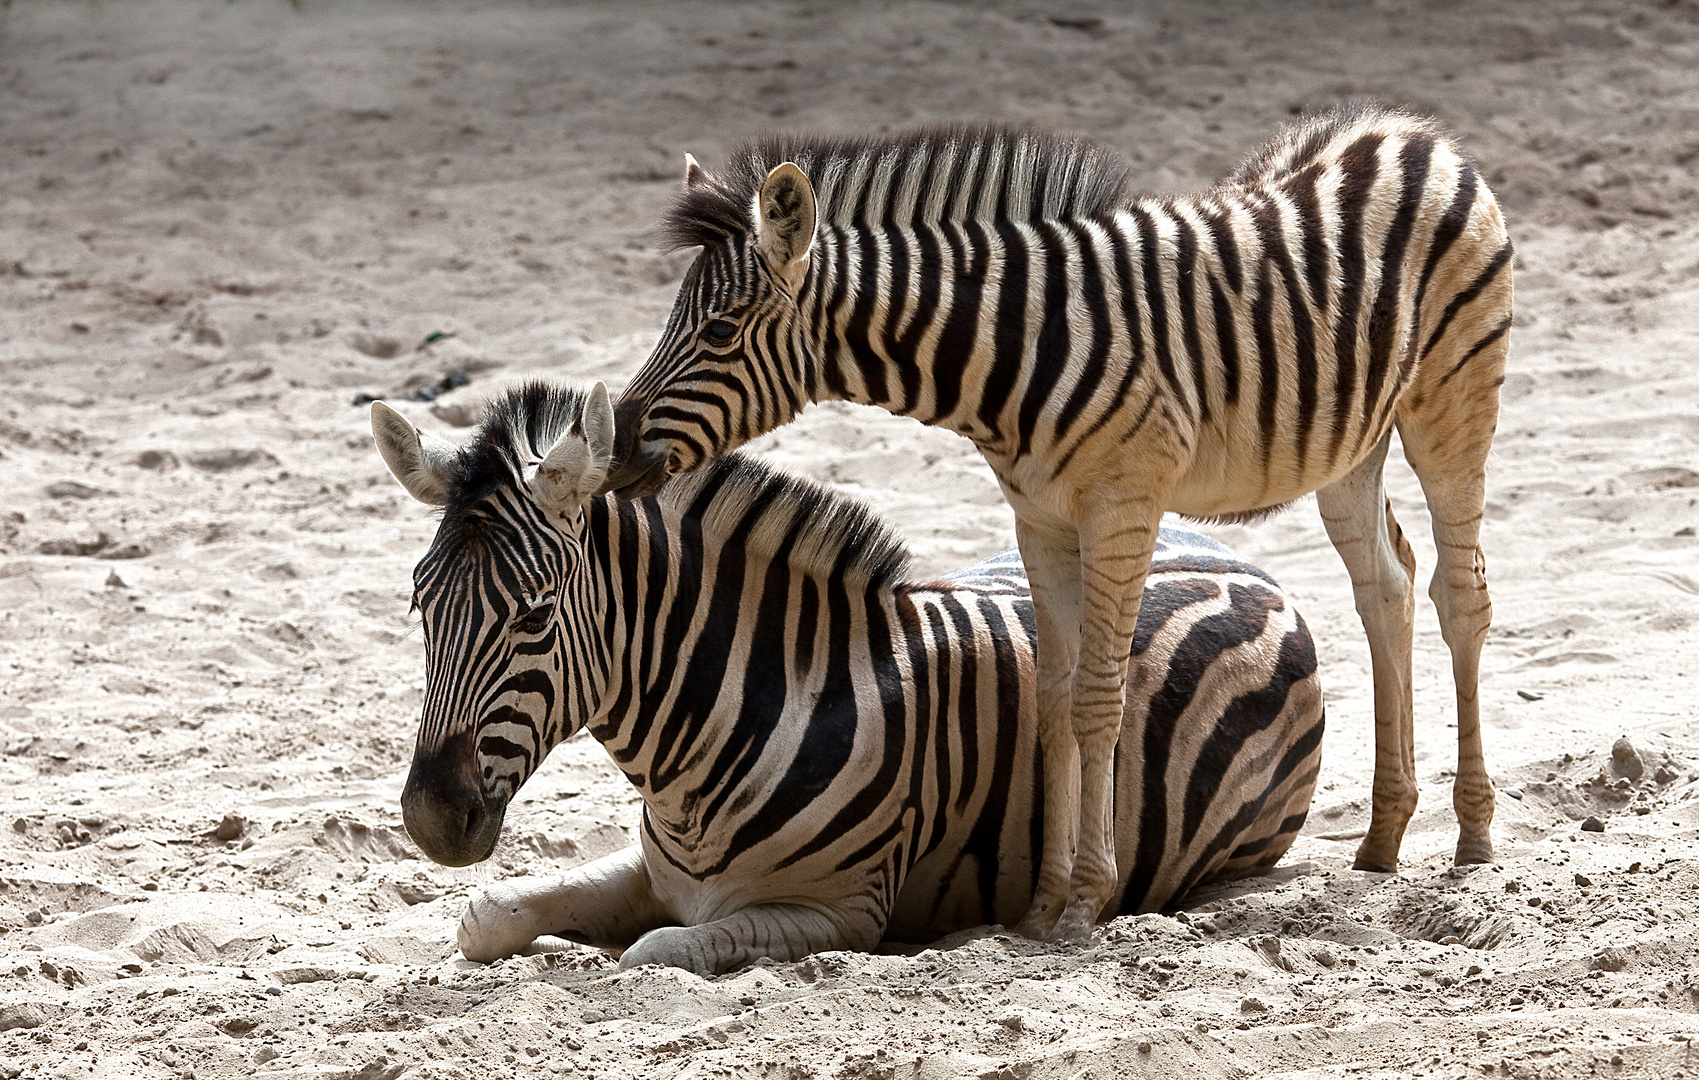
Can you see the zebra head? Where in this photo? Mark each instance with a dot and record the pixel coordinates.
(503, 593)
(731, 363)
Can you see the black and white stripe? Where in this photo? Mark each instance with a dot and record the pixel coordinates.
(828, 752)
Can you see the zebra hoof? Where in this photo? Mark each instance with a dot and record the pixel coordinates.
(1075, 925)
(1473, 852)
(495, 924)
(1375, 866)
(1037, 926)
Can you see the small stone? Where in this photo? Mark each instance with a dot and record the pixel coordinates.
(85, 540)
(1609, 960)
(1626, 760)
(231, 827)
(1515, 999)
(1252, 1005)
(113, 581)
(1013, 1021)
(70, 489)
(264, 1054)
(129, 549)
(1474, 969)
(1584, 881)
(1514, 793)
(1144, 1047)
(21, 1014)
(1592, 824)
(1325, 958)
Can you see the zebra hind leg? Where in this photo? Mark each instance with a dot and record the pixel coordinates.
(1359, 521)
(1449, 453)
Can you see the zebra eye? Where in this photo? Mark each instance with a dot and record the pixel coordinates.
(536, 620)
(719, 331)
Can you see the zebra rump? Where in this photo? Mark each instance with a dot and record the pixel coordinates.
(829, 751)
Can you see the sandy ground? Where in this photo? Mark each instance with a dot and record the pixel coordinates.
(219, 222)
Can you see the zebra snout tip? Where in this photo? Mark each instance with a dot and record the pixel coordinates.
(636, 471)
(453, 824)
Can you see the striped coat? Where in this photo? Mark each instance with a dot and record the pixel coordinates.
(828, 752)
(1217, 354)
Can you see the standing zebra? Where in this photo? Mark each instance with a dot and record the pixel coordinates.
(827, 753)
(1217, 354)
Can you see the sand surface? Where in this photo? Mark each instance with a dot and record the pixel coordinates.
(219, 222)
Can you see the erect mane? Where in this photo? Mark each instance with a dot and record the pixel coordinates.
(828, 534)
(817, 530)
(985, 173)
(517, 429)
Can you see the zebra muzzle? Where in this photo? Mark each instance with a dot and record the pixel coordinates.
(446, 810)
(637, 471)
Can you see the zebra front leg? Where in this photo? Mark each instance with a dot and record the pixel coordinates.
(782, 932)
(607, 903)
(1053, 573)
(1117, 540)
(1359, 521)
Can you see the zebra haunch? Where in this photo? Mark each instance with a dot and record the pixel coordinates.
(1218, 354)
(828, 752)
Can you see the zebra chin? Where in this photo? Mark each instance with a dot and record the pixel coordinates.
(445, 809)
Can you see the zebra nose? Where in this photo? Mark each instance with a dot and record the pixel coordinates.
(446, 811)
(627, 417)
(633, 475)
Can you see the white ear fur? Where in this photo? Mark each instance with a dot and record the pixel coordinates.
(784, 223)
(693, 173)
(578, 462)
(419, 461)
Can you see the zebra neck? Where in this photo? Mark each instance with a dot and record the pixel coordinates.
(895, 317)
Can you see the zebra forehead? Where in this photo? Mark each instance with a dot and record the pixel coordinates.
(929, 175)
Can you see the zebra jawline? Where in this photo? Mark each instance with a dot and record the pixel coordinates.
(445, 808)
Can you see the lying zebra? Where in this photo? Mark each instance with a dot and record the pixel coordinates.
(828, 753)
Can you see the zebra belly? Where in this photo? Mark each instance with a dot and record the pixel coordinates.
(1228, 477)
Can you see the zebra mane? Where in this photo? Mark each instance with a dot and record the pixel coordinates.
(517, 429)
(818, 531)
(987, 173)
(736, 499)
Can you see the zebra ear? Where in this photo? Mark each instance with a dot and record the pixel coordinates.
(578, 462)
(784, 223)
(694, 176)
(418, 461)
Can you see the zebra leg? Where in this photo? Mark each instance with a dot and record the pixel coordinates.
(1117, 540)
(782, 932)
(1053, 573)
(607, 903)
(1359, 521)
(1451, 464)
